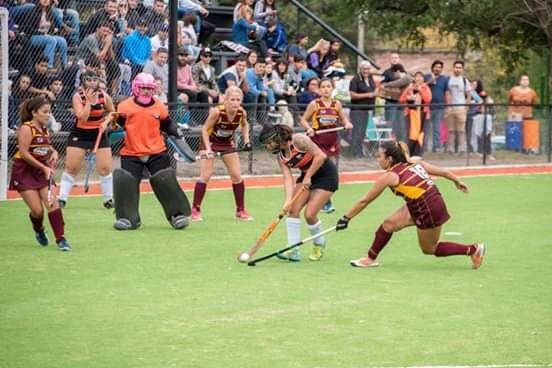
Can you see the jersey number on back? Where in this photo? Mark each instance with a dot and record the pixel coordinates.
(422, 173)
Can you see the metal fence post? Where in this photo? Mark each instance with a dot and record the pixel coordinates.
(549, 133)
(485, 138)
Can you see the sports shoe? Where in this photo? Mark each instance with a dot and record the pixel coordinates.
(243, 215)
(64, 245)
(62, 203)
(108, 204)
(364, 262)
(125, 224)
(196, 214)
(293, 255)
(179, 222)
(316, 253)
(41, 238)
(477, 257)
(328, 207)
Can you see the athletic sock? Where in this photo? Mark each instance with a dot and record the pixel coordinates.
(37, 222)
(293, 230)
(57, 223)
(315, 229)
(67, 182)
(239, 193)
(445, 249)
(106, 182)
(199, 192)
(380, 241)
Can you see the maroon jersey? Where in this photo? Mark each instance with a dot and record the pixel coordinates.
(297, 159)
(223, 131)
(326, 117)
(423, 199)
(40, 144)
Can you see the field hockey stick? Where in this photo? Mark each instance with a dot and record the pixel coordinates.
(290, 247)
(269, 229)
(91, 159)
(324, 131)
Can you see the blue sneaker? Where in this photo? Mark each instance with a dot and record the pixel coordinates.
(41, 238)
(293, 255)
(64, 245)
(328, 207)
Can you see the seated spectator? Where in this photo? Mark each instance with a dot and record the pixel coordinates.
(40, 24)
(184, 79)
(59, 109)
(188, 36)
(298, 48)
(333, 54)
(203, 28)
(70, 19)
(233, 76)
(239, 5)
(99, 46)
(318, 58)
(20, 91)
(40, 78)
(160, 90)
(275, 38)
(122, 29)
(110, 12)
(136, 14)
(311, 93)
(159, 68)
(252, 57)
(204, 75)
(283, 86)
(55, 87)
(137, 48)
(257, 91)
(265, 11)
(156, 17)
(161, 39)
(301, 73)
(248, 33)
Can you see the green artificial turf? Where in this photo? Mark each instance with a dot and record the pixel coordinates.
(157, 297)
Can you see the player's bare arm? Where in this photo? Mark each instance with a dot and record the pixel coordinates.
(208, 126)
(444, 173)
(307, 115)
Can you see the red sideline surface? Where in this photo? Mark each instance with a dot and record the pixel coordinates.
(344, 178)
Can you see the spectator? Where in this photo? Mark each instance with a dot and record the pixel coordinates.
(239, 5)
(99, 46)
(122, 29)
(283, 88)
(287, 117)
(258, 92)
(233, 76)
(392, 113)
(252, 57)
(203, 28)
(159, 68)
(161, 39)
(265, 11)
(333, 54)
(184, 80)
(71, 22)
(55, 87)
(298, 48)
(248, 33)
(59, 110)
(188, 36)
(522, 98)
(311, 93)
(40, 24)
(137, 48)
(318, 57)
(136, 13)
(416, 94)
(204, 75)
(275, 38)
(40, 79)
(458, 92)
(20, 91)
(109, 12)
(301, 73)
(484, 117)
(473, 108)
(156, 17)
(437, 82)
(363, 91)
(160, 90)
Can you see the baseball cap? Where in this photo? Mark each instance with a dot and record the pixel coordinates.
(206, 52)
(164, 28)
(182, 51)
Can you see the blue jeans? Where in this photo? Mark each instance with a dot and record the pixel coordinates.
(395, 116)
(437, 115)
(71, 20)
(51, 44)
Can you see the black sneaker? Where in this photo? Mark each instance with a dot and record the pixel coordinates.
(108, 204)
(41, 238)
(64, 245)
(61, 203)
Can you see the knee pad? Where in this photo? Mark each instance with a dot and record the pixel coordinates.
(126, 194)
(170, 195)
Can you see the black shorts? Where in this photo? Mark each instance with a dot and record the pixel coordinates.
(86, 139)
(326, 178)
(155, 163)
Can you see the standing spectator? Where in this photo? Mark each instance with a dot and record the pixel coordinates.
(233, 76)
(40, 79)
(522, 98)
(99, 46)
(185, 81)
(458, 92)
(298, 48)
(415, 95)
(204, 75)
(437, 82)
(161, 39)
(483, 122)
(156, 17)
(392, 113)
(363, 92)
(40, 24)
(275, 38)
(159, 68)
(137, 48)
(265, 11)
(318, 57)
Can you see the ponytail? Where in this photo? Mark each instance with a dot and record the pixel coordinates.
(398, 151)
(31, 105)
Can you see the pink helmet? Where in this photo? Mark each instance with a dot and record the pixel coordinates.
(142, 80)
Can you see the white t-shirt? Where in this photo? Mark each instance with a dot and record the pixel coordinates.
(458, 87)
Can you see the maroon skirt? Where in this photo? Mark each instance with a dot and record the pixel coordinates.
(429, 211)
(328, 143)
(26, 177)
(217, 146)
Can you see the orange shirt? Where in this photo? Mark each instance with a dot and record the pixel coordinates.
(297, 159)
(519, 96)
(97, 111)
(142, 126)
